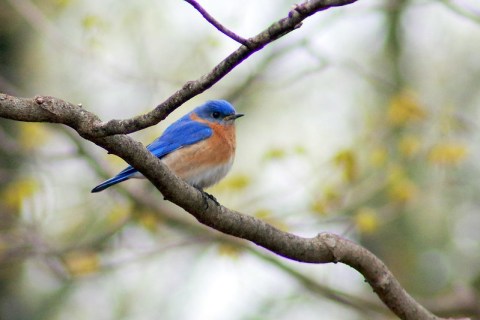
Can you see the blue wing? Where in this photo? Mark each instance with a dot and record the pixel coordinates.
(182, 133)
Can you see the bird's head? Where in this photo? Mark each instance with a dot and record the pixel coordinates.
(219, 111)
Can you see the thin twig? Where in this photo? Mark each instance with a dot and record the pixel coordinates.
(217, 24)
(193, 88)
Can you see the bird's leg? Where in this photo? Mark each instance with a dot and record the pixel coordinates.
(206, 195)
(212, 198)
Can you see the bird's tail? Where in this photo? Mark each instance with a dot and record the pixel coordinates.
(110, 182)
(125, 174)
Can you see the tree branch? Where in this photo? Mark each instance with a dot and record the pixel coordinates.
(324, 248)
(217, 24)
(194, 88)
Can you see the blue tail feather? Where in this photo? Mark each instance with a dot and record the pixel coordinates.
(122, 176)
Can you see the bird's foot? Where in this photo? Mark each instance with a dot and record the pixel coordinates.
(212, 198)
(207, 196)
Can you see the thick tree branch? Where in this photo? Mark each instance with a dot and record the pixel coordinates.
(324, 248)
(193, 88)
(182, 223)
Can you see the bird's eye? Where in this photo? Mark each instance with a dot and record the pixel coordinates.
(216, 114)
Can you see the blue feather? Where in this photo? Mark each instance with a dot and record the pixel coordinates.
(182, 133)
(122, 176)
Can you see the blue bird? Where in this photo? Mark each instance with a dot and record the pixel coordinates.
(199, 147)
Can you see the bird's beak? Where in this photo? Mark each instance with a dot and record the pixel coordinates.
(234, 116)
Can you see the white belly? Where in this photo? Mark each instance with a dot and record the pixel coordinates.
(201, 178)
(206, 178)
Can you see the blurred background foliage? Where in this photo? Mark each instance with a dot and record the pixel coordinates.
(363, 122)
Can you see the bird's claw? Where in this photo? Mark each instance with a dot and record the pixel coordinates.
(212, 198)
(206, 195)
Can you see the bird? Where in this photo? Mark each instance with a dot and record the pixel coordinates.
(199, 147)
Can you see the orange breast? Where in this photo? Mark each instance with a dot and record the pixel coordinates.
(196, 159)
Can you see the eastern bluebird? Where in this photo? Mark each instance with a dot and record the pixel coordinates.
(199, 147)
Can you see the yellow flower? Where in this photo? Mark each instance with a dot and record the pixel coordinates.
(409, 145)
(396, 173)
(234, 182)
(348, 161)
(17, 191)
(148, 220)
(263, 214)
(300, 150)
(378, 157)
(448, 153)
(404, 108)
(82, 262)
(62, 3)
(275, 154)
(92, 21)
(330, 194)
(266, 215)
(319, 206)
(32, 135)
(117, 162)
(323, 204)
(366, 220)
(229, 250)
(400, 187)
(118, 214)
(402, 190)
